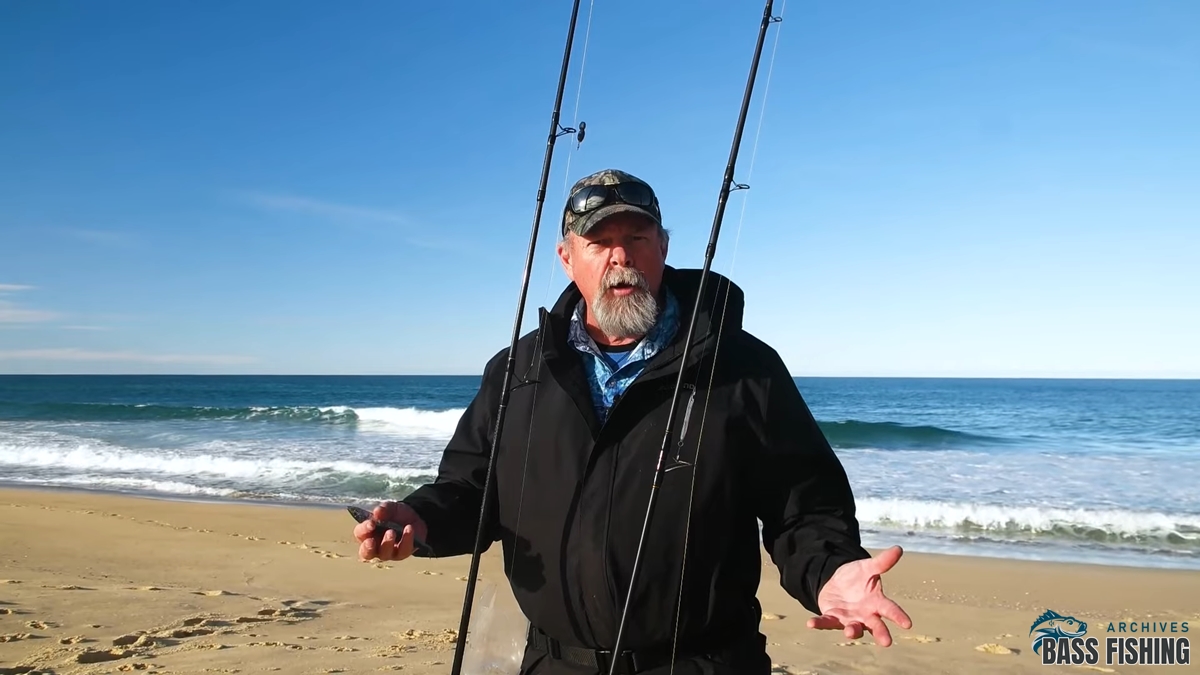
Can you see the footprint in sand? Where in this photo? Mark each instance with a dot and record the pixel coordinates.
(136, 666)
(781, 669)
(134, 639)
(40, 625)
(74, 640)
(444, 636)
(15, 637)
(275, 644)
(10, 581)
(269, 614)
(852, 643)
(923, 639)
(100, 656)
(993, 648)
(252, 619)
(429, 573)
(213, 594)
(5, 610)
(771, 617)
(190, 632)
(395, 651)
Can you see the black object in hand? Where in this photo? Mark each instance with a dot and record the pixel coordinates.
(382, 525)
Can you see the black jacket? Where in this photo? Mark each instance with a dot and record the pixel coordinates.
(570, 494)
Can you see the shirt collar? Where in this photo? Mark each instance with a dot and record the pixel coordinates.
(657, 338)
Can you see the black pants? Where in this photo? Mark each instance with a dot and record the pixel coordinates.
(756, 662)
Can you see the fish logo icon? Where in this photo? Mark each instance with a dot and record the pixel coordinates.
(1051, 624)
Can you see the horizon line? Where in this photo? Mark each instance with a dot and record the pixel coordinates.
(1160, 378)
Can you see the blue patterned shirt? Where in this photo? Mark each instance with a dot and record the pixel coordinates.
(605, 382)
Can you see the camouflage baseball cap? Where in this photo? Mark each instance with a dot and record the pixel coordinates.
(606, 193)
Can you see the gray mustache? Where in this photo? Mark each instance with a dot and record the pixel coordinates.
(625, 275)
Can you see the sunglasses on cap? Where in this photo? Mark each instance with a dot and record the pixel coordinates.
(592, 197)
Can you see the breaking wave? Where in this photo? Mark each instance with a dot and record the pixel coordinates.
(846, 434)
(440, 422)
(216, 473)
(964, 521)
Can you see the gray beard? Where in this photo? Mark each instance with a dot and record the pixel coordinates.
(630, 316)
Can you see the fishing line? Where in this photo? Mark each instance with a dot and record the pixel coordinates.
(687, 527)
(537, 368)
(754, 154)
(726, 187)
(556, 130)
(587, 35)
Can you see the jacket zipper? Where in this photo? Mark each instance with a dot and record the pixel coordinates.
(609, 583)
(613, 592)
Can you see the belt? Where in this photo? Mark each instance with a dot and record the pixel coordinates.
(628, 662)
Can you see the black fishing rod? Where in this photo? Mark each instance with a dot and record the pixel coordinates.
(727, 186)
(556, 130)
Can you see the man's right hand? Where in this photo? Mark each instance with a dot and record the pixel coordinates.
(389, 547)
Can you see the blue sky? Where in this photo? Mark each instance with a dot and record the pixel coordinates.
(940, 188)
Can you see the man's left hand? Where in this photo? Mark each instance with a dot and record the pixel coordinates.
(853, 600)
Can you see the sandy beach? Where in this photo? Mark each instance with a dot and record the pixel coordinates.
(101, 583)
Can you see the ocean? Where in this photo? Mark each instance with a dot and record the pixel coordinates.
(1103, 471)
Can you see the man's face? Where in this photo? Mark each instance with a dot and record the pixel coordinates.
(618, 266)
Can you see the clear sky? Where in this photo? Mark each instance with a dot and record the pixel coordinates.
(940, 188)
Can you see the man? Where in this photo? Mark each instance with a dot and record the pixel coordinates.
(588, 406)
